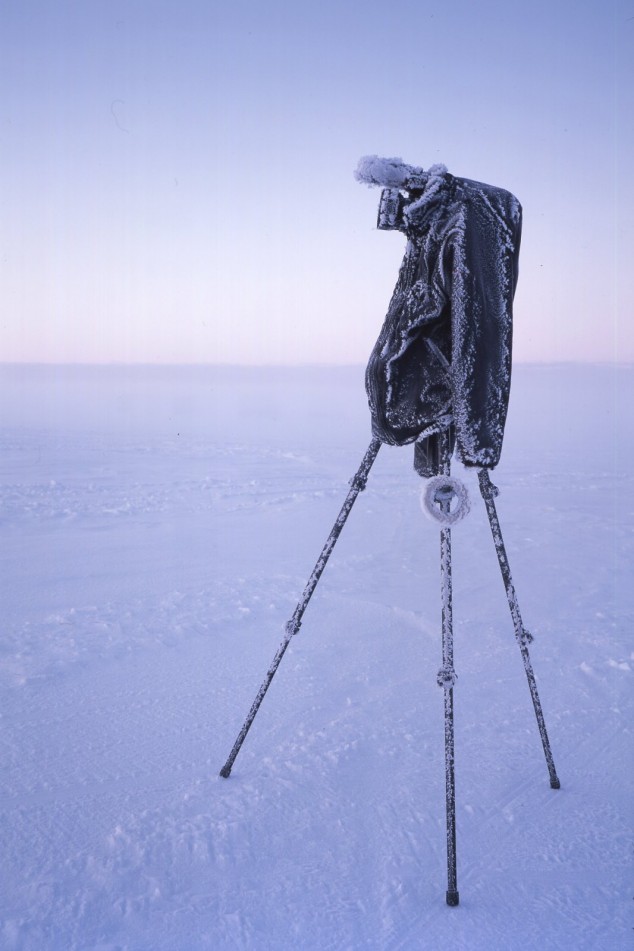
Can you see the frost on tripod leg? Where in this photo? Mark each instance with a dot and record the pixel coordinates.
(489, 493)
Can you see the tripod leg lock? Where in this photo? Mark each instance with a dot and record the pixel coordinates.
(525, 638)
(359, 482)
(292, 626)
(447, 677)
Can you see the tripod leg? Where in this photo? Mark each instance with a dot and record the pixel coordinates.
(357, 484)
(446, 680)
(489, 492)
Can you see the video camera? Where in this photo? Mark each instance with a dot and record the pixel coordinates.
(391, 215)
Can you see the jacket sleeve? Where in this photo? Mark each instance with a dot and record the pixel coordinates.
(484, 267)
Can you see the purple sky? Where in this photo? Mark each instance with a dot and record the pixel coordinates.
(177, 176)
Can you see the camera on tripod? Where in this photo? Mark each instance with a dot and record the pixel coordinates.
(439, 376)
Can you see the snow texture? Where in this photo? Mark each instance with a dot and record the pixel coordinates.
(159, 526)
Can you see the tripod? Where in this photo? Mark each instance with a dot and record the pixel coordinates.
(446, 675)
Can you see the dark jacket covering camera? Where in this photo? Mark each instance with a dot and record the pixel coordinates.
(443, 357)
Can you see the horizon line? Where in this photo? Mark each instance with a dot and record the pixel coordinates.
(318, 365)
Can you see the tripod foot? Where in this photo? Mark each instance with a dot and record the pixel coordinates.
(453, 899)
(555, 784)
(225, 772)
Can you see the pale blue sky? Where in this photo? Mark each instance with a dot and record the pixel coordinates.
(177, 176)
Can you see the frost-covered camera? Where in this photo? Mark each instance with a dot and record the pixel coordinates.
(391, 210)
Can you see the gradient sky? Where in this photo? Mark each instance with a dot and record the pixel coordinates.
(177, 174)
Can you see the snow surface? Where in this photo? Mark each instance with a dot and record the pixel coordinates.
(159, 526)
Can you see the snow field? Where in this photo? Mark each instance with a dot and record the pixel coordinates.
(158, 528)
